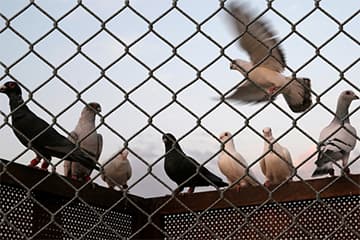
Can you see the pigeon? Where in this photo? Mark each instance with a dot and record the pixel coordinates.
(264, 78)
(338, 139)
(118, 171)
(85, 134)
(35, 133)
(276, 165)
(184, 170)
(233, 165)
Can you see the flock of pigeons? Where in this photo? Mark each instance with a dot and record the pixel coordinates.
(264, 81)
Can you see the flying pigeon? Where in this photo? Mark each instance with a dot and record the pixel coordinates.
(233, 165)
(87, 137)
(264, 72)
(118, 171)
(276, 165)
(35, 133)
(184, 170)
(338, 139)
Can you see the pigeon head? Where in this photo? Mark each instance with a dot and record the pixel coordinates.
(169, 140)
(267, 132)
(11, 88)
(124, 154)
(344, 101)
(240, 65)
(225, 136)
(94, 107)
(348, 96)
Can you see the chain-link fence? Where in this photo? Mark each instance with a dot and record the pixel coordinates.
(163, 66)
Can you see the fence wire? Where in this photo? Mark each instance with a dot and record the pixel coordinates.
(100, 223)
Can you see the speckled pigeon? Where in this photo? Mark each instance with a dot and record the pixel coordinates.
(338, 139)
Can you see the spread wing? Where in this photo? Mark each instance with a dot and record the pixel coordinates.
(257, 39)
(249, 92)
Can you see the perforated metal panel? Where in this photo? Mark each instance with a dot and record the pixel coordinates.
(25, 218)
(81, 221)
(334, 218)
(17, 209)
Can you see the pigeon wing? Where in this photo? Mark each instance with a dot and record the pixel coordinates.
(99, 146)
(249, 92)
(339, 144)
(257, 39)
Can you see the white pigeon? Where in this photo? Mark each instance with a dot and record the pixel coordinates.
(338, 139)
(89, 140)
(264, 73)
(118, 171)
(233, 165)
(277, 164)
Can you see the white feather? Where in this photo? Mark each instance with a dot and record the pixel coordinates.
(277, 164)
(232, 164)
(118, 171)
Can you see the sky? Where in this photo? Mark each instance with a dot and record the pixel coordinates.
(129, 58)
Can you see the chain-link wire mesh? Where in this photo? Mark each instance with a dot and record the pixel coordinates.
(160, 67)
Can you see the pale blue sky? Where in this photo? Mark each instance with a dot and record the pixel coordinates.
(127, 120)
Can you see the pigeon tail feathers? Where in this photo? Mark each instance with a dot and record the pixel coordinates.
(298, 94)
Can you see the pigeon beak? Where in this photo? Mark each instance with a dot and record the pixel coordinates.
(98, 109)
(232, 67)
(356, 97)
(3, 88)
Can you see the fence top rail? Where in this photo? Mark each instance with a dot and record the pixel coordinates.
(329, 187)
(104, 197)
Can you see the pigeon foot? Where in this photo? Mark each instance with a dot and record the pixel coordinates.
(346, 170)
(267, 183)
(34, 162)
(44, 165)
(272, 90)
(331, 172)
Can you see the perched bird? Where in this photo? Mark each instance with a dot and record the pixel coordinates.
(338, 139)
(35, 133)
(118, 171)
(233, 165)
(264, 72)
(276, 165)
(85, 134)
(184, 170)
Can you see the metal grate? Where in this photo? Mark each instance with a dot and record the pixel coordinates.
(26, 217)
(334, 218)
(17, 224)
(79, 221)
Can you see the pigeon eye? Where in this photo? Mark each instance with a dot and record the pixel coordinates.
(12, 85)
(347, 92)
(226, 134)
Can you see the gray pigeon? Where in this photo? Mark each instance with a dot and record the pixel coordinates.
(184, 170)
(338, 139)
(264, 72)
(85, 134)
(37, 134)
(118, 171)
